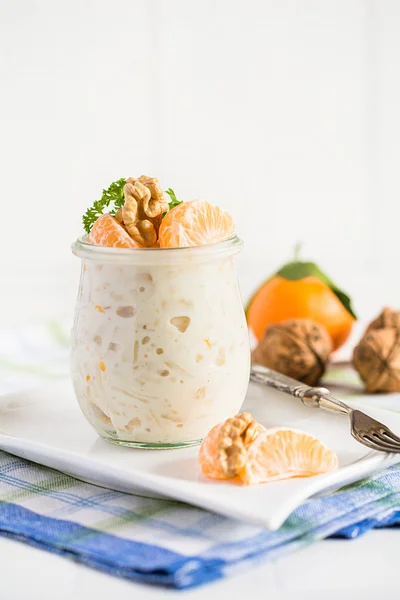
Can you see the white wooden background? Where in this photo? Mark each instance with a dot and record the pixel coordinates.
(284, 112)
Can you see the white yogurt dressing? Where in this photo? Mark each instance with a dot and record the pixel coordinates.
(160, 352)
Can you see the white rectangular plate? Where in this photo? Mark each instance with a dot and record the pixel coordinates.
(47, 427)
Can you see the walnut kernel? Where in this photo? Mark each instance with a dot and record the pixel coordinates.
(143, 209)
(235, 436)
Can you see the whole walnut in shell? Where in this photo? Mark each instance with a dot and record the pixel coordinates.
(388, 319)
(377, 359)
(298, 348)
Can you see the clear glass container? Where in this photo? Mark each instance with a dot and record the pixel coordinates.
(160, 348)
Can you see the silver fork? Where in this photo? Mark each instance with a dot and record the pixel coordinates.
(364, 429)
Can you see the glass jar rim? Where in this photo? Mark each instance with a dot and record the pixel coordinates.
(227, 247)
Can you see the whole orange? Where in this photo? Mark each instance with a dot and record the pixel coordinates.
(301, 290)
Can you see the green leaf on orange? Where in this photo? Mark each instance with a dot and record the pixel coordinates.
(299, 270)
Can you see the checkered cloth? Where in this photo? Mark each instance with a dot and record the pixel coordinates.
(155, 541)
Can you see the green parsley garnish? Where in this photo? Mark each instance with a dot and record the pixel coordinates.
(174, 200)
(113, 196)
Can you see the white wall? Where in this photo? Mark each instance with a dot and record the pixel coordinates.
(286, 113)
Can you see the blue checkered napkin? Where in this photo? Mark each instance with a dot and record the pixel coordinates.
(169, 543)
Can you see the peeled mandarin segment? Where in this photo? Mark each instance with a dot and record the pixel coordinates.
(281, 453)
(208, 452)
(195, 223)
(107, 232)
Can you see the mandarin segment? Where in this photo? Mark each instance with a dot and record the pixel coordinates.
(208, 452)
(281, 453)
(107, 232)
(195, 223)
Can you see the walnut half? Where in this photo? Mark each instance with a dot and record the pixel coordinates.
(235, 437)
(143, 209)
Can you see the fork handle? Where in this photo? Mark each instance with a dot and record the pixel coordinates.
(317, 397)
(313, 397)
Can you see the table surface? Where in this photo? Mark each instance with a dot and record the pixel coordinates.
(363, 568)
(328, 570)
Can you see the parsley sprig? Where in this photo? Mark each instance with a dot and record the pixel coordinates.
(113, 199)
(174, 200)
(114, 196)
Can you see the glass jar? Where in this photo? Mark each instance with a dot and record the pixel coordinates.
(160, 348)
